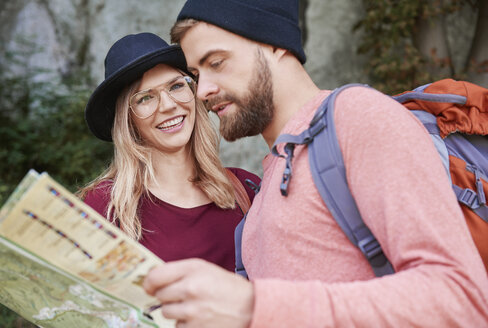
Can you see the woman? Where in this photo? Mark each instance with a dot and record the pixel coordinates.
(165, 186)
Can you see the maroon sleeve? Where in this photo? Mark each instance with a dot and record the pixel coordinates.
(99, 197)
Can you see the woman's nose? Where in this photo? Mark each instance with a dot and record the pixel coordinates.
(165, 101)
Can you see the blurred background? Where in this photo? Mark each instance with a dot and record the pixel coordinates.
(52, 52)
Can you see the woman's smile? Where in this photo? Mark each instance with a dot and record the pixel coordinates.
(172, 125)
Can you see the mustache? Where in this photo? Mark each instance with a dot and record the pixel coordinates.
(220, 99)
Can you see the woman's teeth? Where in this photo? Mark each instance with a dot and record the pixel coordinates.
(170, 124)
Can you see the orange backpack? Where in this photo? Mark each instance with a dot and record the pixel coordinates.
(462, 125)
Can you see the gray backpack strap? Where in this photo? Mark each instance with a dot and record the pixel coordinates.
(240, 269)
(430, 123)
(290, 142)
(329, 175)
(418, 93)
(470, 198)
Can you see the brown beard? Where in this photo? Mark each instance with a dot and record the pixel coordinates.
(255, 110)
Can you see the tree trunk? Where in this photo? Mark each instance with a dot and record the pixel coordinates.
(431, 40)
(477, 63)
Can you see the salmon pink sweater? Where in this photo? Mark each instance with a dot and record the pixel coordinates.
(306, 273)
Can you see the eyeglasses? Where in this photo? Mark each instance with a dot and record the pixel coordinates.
(144, 103)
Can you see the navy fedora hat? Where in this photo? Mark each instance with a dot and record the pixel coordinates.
(126, 61)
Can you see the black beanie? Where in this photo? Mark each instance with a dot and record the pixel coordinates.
(273, 22)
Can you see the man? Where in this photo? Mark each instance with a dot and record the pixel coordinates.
(303, 270)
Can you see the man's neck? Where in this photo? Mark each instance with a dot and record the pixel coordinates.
(291, 92)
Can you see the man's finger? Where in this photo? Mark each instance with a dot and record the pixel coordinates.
(166, 274)
(176, 311)
(171, 294)
(181, 324)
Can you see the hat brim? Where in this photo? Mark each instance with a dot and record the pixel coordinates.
(100, 109)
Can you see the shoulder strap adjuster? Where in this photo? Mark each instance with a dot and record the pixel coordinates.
(469, 198)
(369, 246)
(479, 187)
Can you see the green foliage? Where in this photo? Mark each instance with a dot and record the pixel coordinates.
(389, 26)
(9, 319)
(42, 127)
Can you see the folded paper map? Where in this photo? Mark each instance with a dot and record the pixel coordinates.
(64, 265)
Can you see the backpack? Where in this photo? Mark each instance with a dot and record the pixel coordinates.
(453, 112)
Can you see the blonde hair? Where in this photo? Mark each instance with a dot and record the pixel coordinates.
(180, 28)
(131, 169)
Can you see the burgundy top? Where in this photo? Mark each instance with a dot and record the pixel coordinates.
(174, 233)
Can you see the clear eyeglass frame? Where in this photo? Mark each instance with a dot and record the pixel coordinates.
(145, 102)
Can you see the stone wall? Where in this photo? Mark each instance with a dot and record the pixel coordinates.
(78, 33)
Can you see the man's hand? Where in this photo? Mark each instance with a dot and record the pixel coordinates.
(200, 294)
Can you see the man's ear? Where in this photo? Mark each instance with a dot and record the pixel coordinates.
(279, 52)
(274, 51)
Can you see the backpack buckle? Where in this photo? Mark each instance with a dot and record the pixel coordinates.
(469, 198)
(479, 187)
(253, 186)
(370, 247)
(285, 181)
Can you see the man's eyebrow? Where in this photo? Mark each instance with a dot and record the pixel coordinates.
(205, 57)
(208, 54)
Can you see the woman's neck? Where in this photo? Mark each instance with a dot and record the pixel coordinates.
(173, 174)
(173, 167)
